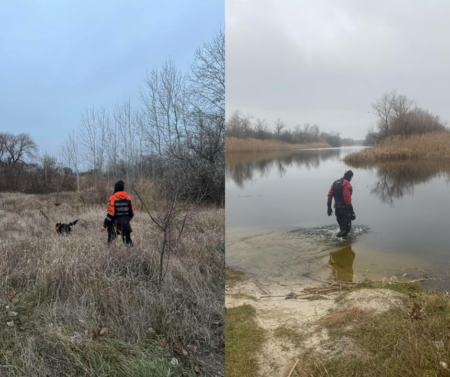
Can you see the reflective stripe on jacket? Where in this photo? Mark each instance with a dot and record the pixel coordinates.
(120, 205)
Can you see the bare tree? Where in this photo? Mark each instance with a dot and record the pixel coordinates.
(207, 75)
(261, 128)
(279, 126)
(164, 98)
(88, 138)
(239, 125)
(15, 148)
(315, 133)
(70, 152)
(398, 115)
(178, 133)
(384, 110)
(113, 154)
(103, 122)
(123, 118)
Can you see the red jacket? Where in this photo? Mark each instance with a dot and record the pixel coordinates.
(347, 191)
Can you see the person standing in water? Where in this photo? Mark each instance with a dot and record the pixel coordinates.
(341, 190)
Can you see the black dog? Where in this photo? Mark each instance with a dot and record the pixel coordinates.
(65, 228)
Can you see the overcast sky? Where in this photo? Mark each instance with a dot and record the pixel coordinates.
(59, 57)
(325, 61)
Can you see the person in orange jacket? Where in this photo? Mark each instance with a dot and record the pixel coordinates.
(120, 212)
(342, 190)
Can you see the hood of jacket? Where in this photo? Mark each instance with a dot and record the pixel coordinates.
(120, 195)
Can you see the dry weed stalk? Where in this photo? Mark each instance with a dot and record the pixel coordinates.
(342, 317)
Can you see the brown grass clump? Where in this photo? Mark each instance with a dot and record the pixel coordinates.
(68, 289)
(233, 144)
(431, 146)
(344, 317)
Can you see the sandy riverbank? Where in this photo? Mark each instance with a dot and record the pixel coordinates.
(277, 264)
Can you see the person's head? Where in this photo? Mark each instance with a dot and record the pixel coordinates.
(119, 186)
(348, 175)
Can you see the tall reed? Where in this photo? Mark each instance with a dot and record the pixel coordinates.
(431, 146)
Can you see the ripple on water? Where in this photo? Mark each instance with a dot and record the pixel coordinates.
(328, 233)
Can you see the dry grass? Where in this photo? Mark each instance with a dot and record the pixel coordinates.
(69, 287)
(432, 146)
(344, 317)
(233, 144)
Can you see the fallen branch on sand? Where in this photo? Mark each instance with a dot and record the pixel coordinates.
(315, 293)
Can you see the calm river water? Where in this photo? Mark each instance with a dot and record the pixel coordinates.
(277, 226)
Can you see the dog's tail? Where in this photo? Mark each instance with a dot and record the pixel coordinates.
(73, 223)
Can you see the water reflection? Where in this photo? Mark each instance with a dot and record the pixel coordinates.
(342, 263)
(243, 167)
(392, 180)
(396, 180)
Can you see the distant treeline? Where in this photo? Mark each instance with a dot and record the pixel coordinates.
(23, 169)
(397, 115)
(175, 134)
(244, 127)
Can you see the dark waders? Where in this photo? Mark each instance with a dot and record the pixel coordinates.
(344, 219)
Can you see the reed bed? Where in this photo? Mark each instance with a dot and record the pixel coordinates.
(433, 146)
(233, 144)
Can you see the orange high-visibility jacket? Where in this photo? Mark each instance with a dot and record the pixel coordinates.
(120, 205)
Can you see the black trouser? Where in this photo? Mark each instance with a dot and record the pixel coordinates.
(344, 219)
(125, 232)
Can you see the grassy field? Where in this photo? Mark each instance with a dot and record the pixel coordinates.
(431, 146)
(80, 308)
(233, 144)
